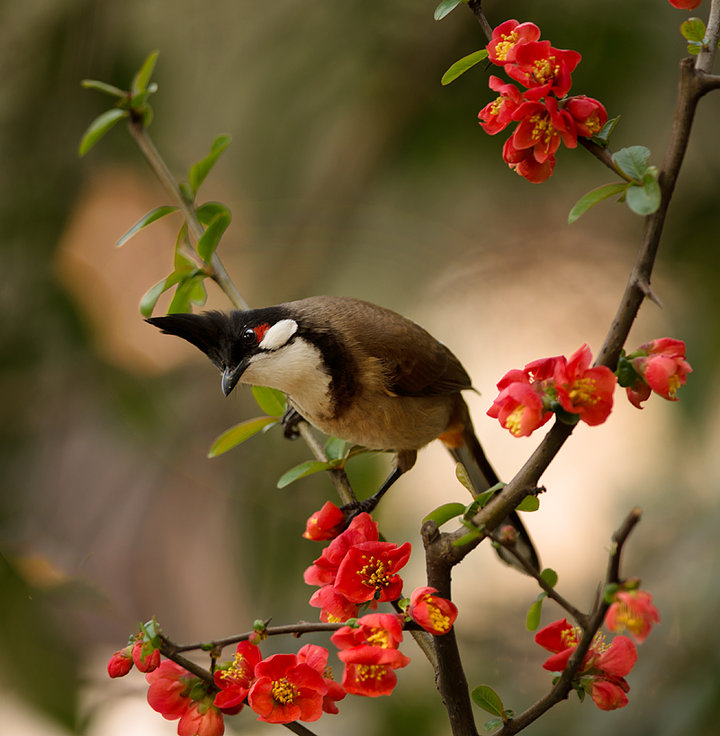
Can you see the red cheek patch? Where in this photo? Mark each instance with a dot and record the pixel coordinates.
(260, 331)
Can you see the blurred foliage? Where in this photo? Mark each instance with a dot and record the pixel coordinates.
(351, 171)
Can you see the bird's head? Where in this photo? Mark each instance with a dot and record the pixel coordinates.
(246, 346)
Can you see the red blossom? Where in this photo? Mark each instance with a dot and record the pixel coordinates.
(434, 613)
(121, 662)
(334, 606)
(632, 610)
(541, 127)
(145, 656)
(524, 163)
(369, 571)
(506, 39)
(544, 70)
(287, 690)
(660, 364)
(497, 115)
(201, 718)
(170, 685)
(584, 390)
(521, 406)
(603, 667)
(237, 678)
(325, 524)
(317, 658)
(685, 4)
(588, 113)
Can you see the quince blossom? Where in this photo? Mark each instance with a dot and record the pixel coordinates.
(659, 366)
(236, 679)
(317, 658)
(685, 4)
(632, 610)
(435, 614)
(325, 524)
(507, 37)
(121, 662)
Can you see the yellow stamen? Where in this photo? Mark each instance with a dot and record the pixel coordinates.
(282, 691)
(583, 392)
(514, 420)
(375, 574)
(507, 41)
(379, 638)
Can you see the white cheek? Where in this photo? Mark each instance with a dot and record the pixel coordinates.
(279, 334)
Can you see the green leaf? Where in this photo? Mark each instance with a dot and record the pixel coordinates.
(336, 449)
(208, 211)
(444, 513)
(529, 503)
(145, 220)
(270, 400)
(462, 65)
(210, 239)
(300, 471)
(549, 576)
(97, 129)
(532, 620)
(148, 302)
(446, 7)
(602, 137)
(198, 292)
(633, 161)
(142, 78)
(108, 89)
(593, 197)
(693, 29)
(239, 433)
(467, 538)
(645, 199)
(485, 697)
(198, 171)
(462, 475)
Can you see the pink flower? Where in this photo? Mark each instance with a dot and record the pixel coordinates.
(506, 39)
(201, 718)
(325, 524)
(659, 366)
(632, 610)
(170, 685)
(287, 690)
(603, 668)
(435, 614)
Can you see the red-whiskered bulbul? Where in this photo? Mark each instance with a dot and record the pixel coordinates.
(355, 371)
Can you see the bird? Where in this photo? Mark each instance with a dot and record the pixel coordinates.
(356, 371)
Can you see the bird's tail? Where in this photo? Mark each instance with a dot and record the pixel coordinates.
(465, 448)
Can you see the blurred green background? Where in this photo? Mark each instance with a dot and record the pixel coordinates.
(352, 171)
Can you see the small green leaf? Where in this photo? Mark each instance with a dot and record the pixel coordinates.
(645, 199)
(97, 129)
(485, 697)
(549, 576)
(142, 78)
(446, 7)
(693, 29)
(610, 592)
(336, 449)
(602, 137)
(529, 503)
(300, 471)
(532, 620)
(694, 48)
(145, 220)
(151, 632)
(108, 89)
(633, 161)
(239, 433)
(444, 513)
(198, 171)
(467, 538)
(462, 65)
(210, 239)
(208, 211)
(148, 302)
(198, 292)
(462, 475)
(593, 197)
(270, 400)
(182, 298)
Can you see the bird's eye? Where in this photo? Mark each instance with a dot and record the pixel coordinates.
(249, 337)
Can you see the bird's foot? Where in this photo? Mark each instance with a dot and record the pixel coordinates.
(290, 421)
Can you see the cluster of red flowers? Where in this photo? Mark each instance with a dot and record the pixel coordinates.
(575, 390)
(544, 113)
(604, 666)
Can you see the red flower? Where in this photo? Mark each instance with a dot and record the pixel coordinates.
(506, 39)
(522, 404)
(325, 524)
(170, 685)
(543, 69)
(369, 572)
(370, 654)
(497, 115)
(236, 679)
(287, 690)
(685, 4)
(317, 658)
(542, 127)
(334, 606)
(603, 668)
(435, 614)
(588, 113)
(632, 610)
(145, 656)
(121, 662)
(201, 718)
(583, 390)
(523, 162)
(662, 366)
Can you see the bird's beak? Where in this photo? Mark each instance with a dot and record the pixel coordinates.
(230, 377)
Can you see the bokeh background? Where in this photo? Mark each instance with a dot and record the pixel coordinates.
(352, 171)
